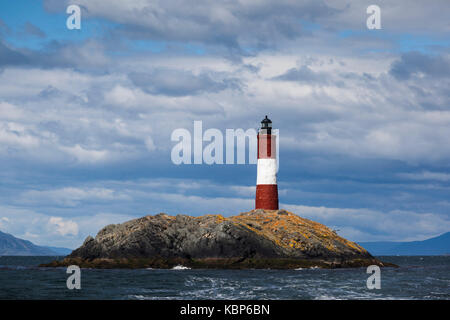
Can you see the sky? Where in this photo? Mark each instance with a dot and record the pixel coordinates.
(86, 116)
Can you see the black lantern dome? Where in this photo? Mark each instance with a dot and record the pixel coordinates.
(266, 125)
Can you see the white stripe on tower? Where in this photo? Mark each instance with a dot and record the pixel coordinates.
(267, 171)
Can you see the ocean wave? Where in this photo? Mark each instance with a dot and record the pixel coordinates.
(180, 267)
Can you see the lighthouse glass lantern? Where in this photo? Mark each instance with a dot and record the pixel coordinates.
(266, 126)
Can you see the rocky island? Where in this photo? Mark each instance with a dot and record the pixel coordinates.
(275, 239)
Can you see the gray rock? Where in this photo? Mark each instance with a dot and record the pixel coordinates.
(255, 234)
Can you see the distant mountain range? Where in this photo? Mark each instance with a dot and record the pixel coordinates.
(434, 246)
(12, 246)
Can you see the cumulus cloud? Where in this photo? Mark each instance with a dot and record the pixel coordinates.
(121, 96)
(3, 222)
(372, 225)
(418, 64)
(63, 227)
(85, 155)
(15, 135)
(55, 230)
(9, 111)
(70, 196)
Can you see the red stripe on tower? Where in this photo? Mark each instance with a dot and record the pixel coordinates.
(266, 181)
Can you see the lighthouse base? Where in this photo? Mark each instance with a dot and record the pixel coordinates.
(266, 197)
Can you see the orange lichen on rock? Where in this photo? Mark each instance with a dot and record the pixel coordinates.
(292, 231)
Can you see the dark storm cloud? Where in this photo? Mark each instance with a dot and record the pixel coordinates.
(87, 56)
(231, 24)
(181, 83)
(12, 57)
(414, 63)
(303, 74)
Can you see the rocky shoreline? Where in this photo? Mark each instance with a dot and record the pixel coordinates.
(217, 263)
(257, 239)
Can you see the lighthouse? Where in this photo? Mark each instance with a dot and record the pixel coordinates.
(266, 181)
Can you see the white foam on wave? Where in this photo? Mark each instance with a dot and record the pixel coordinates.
(180, 267)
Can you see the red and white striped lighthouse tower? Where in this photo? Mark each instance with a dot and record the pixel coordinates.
(266, 181)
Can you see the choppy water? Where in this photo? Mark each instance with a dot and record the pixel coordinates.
(425, 277)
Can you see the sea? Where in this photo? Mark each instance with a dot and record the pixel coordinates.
(418, 277)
